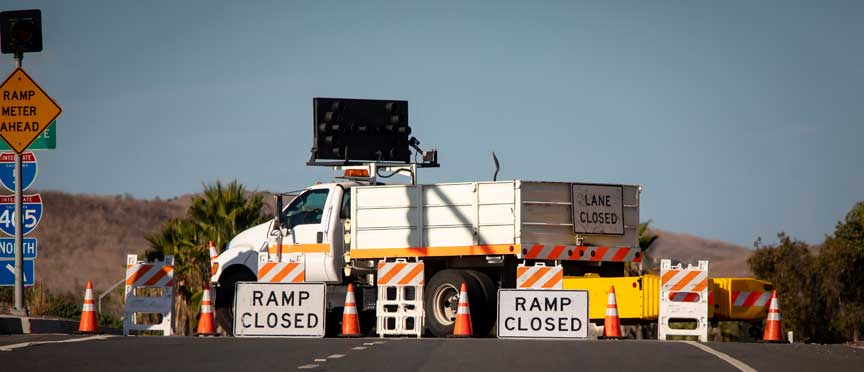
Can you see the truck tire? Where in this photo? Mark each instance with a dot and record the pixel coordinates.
(225, 298)
(442, 301)
(485, 319)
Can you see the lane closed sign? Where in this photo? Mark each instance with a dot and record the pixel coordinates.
(279, 309)
(542, 313)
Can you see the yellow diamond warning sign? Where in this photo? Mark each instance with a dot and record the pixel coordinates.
(25, 110)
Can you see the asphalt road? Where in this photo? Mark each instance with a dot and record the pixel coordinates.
(391, 354)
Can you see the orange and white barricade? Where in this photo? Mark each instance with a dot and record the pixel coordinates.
(149, 294)
(280, 272)
(684, 297)
(539, 276)
(399, 310)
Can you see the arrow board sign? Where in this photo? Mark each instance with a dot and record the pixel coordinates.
(7, 248)
(7, 170)
(32, 213)
(542, 313)
(279, 309)
(7, 272)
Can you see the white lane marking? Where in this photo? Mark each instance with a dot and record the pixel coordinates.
(369, 344)
(307, 366)
(723, 356)
(359, 348)
(335, 356)
(319, 360)
(25, 344)
(379, 342)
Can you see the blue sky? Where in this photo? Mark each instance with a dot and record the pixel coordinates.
(740, 119)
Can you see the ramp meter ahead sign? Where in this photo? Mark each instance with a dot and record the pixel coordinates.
(542, 313)
(25, 110)
(279, 309)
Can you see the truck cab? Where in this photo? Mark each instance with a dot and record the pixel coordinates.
(311, 232)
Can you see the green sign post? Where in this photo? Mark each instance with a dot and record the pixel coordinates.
(45, 141)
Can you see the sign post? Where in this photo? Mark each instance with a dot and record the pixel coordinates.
(25, 112)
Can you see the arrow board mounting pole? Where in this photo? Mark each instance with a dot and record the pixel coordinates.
(19, 309)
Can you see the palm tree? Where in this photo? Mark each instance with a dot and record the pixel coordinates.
(646, 240)
(221, 213)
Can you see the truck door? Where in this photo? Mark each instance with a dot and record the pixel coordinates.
(309, 219)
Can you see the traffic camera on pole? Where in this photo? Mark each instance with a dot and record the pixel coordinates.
(21, 31)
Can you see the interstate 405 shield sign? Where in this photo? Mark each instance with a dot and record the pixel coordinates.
(32, 213)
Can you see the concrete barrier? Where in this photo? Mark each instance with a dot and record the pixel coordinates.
(16, 325)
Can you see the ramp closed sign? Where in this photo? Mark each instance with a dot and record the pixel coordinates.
(542, 313)
(279, 309)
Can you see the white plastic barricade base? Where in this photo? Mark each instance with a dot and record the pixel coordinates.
(149, 295)
(676, 280)
(399, 309)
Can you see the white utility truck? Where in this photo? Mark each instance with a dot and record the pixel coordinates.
(477, 233)
(470, 232)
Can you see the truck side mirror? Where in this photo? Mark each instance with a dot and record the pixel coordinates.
(279, 206)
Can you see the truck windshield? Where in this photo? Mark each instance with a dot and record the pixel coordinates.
(307, 208)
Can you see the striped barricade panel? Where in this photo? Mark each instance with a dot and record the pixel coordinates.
(751, 299)
(400, 273)
(684, 280)
(281, 272)
(539, 277)
(581, 253)
(149, 275)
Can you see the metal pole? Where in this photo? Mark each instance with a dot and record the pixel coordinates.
(20, 308)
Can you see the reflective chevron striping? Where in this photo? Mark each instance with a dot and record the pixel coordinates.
(281, 272)
(580, 253)
(539, 277)
(400, 273)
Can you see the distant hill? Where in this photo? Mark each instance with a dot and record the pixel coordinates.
(85, 237)
(726, 259)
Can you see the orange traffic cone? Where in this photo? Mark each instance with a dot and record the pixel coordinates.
(213, 255)
(612, 326)
(350, 322)
(772, 324)
(89, 322)
(463, 328)
(205, 322)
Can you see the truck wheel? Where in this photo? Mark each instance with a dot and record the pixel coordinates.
(225, 298)
(484, 321)
(442, 301)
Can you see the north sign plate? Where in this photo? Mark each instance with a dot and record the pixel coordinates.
(7, 248)
(25, 110)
